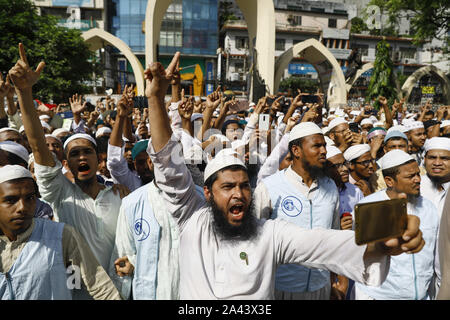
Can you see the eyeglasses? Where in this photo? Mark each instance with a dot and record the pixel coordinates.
(339, 165)
(341, 131)
(365, 163)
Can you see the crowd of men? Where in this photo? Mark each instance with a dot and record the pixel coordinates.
(197, 199)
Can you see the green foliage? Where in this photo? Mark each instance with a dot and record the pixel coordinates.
(294, 83)
(225, 14)
(358, 25)
(67, 57)
(382, 81)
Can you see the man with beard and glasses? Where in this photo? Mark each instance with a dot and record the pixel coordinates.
(117, 163)
(90, 207)
(362, 166)
(303, 195)
(436, 182)
(410, 276)
(236, 260)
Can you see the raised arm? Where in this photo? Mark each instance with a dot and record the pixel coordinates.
(24, 78)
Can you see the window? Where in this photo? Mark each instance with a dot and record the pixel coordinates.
(408, 53)
(296, 20)
(363, 48)
(280, 44)
(332, 23)
(241, 43)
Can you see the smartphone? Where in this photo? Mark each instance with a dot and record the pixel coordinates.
(380, 220)
(353, 127)
(270, 101)
(264, 119)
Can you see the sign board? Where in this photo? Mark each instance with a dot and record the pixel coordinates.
(73, 3)
(336, 33)
(427, 90)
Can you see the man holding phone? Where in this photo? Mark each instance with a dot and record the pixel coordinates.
(410, 276)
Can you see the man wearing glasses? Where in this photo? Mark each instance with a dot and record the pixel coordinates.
(362, 166)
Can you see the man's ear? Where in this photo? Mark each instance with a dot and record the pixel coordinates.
(207, 193)
(389, 181)
(150, 164)
(296, 151)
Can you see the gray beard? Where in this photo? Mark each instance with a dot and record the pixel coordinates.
(248, 229)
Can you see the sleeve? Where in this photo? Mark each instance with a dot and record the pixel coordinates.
(118, 168)
(333, 250)
(175, 181)
(79, 128)
(263, 205)
(15, 121)
(77, 252)
(273, 161)
(53, 185)
(123, 246)
(175, 119)
(250, 127)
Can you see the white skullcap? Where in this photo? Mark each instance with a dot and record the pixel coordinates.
(52, 136)
(340, 113)
(335, 122)
(409, 115)
(251, 104)
(227, 152)
(373, 119)
(356, 151)
(325, 130)
(102, 131)
(397, 128)
(8, 129)
(44, 116)
(196, 116)
(332, 109)
(304, 129)
(437, 143)
(59, 131)
(379, 124)
(445, 123)
(21, 129)
(332, 151)
(366, 121)
(11, 172)
(394, 158)
(355, 112)
(80, 136)
(414, 125)
(328, 141)
(219, 163)
(13, 147)
(279, 114)
(45, 125)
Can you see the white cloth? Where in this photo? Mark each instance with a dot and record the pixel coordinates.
(12, 172)
(356, 151)
(272, 163)
(437, 143)
(15, 148)
(220, 273)
(119, 170)
(304, 129)
(394, 158)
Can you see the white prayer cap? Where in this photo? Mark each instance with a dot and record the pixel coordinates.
(219, 163)
(8, 129)
(43, 117)
(324, 110)
(251, 104)
(227, 152)
(356, 151)
(279, 114)
(80, 136)
(325, 130)
(11, 172)
(102, 131)
(437, 143)
(414, 125)
(373, 119)
(332, 151)
(355, 112)
(445, 123)
(15, 148)
(335, 122)
(379, 124)
(328, 141)
(52, 136)
(45, 125)
(399, 127)
(409, 115)
(59, 131)
(304, 129)
(332, 109)
(340, 112)
(394, 158)
(196, 116)
(366, 121)
(21, 129)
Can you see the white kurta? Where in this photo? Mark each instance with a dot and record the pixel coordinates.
(211, 268)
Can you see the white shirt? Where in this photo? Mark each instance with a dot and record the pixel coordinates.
(119, 170)
(428, 190)
(211, 268)
(95, 219)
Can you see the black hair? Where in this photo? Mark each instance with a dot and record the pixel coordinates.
(15, 159)
(393, 172)
(102, 144)
(224, 126)
(211, 179)
(297, 142)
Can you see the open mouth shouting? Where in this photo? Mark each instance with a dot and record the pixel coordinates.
(84, 169)
(237, 212)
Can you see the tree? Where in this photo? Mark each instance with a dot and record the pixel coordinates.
(428, 18)
(67, 57)
(225, 13)
(382, 81)
(294, 83)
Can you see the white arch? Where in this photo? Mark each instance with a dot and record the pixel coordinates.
(364, 68)
(419, 73)
(260, 18)
(330, 73)
(95, 38)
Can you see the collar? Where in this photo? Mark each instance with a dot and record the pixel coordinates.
(23, 237)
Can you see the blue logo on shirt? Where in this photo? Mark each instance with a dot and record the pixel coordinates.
(291, 206)
(141, 229)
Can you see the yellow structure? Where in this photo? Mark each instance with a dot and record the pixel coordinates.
(196, 77)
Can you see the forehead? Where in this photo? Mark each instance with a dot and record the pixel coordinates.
(409, 168)
(232, 176)
(438, 153)
(396, 141)
(52, 140)
(365, 156)
(16, 187)
(341, 126)
(417, 131)
(79, 143)
(314, 139)
(233, 125)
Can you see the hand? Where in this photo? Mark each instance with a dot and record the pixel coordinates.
(94, 116)
(121, 189)
(213, 99)
(176, 78)
(346, 223)
(6, 89)
(186, 107)
(21, 74)
(383, 100)
(143, 130)
(125, 104)
(339, 288)
(262, 104)
(123, 267)
(297, 102)
(157, 79)
(292, 121)
(310, 115)
(376, 143)
(75, 104)
(364, 187)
